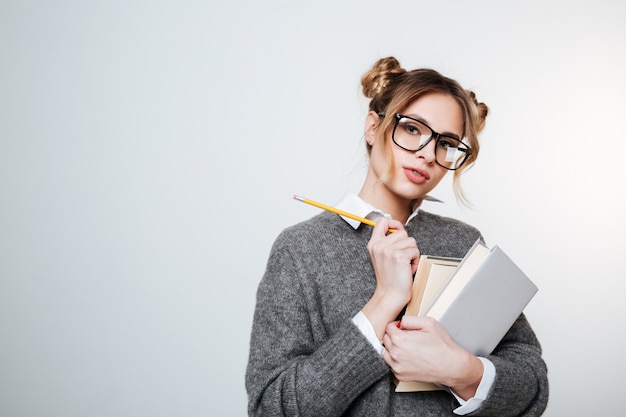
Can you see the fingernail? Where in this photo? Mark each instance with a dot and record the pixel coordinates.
(399, 324)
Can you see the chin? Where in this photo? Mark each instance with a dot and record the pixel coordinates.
(411, 195)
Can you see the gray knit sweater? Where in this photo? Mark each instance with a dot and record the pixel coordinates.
(307, 358)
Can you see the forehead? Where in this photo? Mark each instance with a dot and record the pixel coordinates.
(440, 111)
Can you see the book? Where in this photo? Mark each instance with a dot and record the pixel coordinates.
(431, 275)
(479, 302)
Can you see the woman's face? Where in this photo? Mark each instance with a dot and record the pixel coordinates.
(414, 174)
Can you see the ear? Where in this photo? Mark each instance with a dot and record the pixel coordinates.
(372, 120)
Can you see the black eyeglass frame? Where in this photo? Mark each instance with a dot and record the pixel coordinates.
(467, 151)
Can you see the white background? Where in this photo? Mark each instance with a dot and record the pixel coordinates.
(149, 151)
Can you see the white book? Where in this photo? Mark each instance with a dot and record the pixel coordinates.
(482, 299)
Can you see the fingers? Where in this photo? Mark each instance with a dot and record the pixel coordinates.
(420, 330)
(423, 323)
(384, 226)
(411, 350)
(396, 332)
(382, 240)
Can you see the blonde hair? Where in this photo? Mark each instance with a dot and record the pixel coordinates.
(392, 89)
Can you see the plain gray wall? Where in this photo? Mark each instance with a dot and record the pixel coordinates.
(149, 151)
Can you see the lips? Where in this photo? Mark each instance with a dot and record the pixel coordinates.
(416, 176)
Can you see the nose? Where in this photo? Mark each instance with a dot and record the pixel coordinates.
(427, 153)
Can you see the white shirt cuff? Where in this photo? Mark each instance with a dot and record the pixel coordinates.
(364, 325)
(489, 376)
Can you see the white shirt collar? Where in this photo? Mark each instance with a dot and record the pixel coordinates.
(352, 203)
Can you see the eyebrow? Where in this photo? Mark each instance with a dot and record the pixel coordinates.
(421, 119)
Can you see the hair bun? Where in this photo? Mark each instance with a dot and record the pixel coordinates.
(479, 111)
(380, 76)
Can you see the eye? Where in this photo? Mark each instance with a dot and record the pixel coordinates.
(445, 142)
(412, 129)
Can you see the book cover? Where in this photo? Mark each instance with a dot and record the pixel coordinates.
(478, 307)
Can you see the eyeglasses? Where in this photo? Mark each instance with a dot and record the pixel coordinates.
(413, 135)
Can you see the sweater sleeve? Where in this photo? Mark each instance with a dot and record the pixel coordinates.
(291, 371)
(521, 384)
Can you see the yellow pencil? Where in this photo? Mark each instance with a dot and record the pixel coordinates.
(337, 211)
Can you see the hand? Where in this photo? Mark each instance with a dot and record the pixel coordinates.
(394, 258)
(422, 350)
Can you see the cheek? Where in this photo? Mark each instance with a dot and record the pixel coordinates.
(438, 175)
(379, 159)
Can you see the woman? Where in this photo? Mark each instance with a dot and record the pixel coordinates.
(325, 339)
